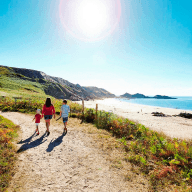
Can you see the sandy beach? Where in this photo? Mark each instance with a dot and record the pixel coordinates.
(173, 126)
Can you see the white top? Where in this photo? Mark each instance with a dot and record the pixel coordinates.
(65, 109)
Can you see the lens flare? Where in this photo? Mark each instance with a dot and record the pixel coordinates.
(90, 20)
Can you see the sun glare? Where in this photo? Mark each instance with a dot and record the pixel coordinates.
(90, 19)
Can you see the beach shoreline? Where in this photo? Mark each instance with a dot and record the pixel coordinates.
(172, 125)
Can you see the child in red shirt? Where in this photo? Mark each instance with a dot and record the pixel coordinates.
(37, 120)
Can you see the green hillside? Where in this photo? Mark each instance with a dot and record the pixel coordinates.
(17, 85)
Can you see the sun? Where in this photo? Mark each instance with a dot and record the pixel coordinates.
(90, 19)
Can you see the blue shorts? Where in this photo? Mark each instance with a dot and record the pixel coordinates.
(46, 117)
(65, 119)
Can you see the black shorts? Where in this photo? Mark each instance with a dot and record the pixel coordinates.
(46, 117)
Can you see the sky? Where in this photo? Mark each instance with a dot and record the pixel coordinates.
(133, 46)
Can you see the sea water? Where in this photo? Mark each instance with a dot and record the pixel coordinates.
(183, 103)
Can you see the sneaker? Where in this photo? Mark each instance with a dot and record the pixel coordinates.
(48, 133)
(37, 133)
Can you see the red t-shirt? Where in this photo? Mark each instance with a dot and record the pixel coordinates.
(48, 110)
(37, 118)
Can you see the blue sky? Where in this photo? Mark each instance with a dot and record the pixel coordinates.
(149, 50)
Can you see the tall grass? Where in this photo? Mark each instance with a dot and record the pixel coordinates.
(8, 131)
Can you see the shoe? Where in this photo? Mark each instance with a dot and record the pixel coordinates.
(37, 133)
(48, 133)
(64, 132)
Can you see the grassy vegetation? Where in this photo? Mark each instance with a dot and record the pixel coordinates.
(8, 131)
(16, 85)
(167, 161)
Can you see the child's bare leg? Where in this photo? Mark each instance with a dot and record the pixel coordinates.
(37, 129)
(65, 124)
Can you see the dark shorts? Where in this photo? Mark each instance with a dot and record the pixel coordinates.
(65, 119)
(46, 117)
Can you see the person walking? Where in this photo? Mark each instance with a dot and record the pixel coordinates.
(64, 113)
(48, 112)
(37, 120)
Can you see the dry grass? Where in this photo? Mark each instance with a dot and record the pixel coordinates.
(117, 155)
(112, 149)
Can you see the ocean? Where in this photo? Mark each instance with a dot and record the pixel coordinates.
(183, 103)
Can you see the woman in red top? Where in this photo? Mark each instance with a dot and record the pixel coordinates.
(48, 111)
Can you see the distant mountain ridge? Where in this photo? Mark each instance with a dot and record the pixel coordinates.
(138, 95)
(56, 86)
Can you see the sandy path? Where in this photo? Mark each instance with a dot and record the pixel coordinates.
(177, 127)
(62, 163)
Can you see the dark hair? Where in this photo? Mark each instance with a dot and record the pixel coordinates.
(48, 102)
(65, 101)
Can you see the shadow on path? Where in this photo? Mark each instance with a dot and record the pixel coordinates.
(27, 140)
(55, 143)
(32, 144)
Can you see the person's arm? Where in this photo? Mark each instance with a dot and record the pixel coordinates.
(53, 112)
(33, 119)
(43, 111)
(68, 110)
(61, 111)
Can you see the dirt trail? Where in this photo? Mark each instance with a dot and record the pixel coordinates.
(63, 163)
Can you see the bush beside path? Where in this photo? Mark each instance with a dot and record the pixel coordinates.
(66, 163)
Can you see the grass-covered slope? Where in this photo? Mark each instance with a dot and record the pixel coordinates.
(54, 86)
(17, 85)
(8, 131)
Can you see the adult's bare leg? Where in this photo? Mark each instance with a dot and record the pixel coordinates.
(47, 124)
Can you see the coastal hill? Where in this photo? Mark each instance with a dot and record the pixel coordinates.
(96, 92)
(38, 81)
(138, 95)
